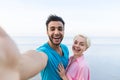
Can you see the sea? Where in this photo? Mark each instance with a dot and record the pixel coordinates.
(103, 56)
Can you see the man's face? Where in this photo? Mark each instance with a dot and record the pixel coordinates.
(55, 32)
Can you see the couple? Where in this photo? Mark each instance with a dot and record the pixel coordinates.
(51, 58)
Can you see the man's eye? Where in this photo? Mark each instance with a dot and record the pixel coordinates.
(60, 28)
(52, 29)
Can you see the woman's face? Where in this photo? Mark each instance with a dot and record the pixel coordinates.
(79, 45)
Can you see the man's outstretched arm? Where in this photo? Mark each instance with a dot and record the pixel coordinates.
(9, 53)
(26, 65)
(32, 63)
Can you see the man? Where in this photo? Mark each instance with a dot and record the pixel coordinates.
(45, 58)
(55, 51)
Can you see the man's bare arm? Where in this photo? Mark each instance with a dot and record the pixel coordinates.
(32, 63)
(26, 65)
(9, 53)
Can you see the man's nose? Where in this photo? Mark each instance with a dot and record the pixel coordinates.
(56, 31)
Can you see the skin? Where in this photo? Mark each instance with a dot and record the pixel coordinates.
(55, 33)
(8, 58)
(17, 66)
(14, 65)
(78, 48)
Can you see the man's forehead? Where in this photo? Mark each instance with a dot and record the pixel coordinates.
(55, 23)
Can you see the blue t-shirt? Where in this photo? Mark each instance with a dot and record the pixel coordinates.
(50, 71)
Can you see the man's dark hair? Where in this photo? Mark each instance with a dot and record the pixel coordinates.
(54, 18)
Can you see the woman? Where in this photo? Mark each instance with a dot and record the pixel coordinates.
(77, 68)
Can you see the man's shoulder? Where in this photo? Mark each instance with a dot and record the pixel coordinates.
(64, 45)
(42, 46)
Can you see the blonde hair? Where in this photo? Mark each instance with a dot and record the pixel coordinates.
(87, 39)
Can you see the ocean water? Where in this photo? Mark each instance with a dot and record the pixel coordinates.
(103, 56)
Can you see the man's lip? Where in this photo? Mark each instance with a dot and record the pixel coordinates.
(56, 38)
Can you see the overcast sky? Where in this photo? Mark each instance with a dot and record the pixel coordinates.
(90, 17)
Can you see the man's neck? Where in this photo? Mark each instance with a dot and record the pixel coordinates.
(57, 48)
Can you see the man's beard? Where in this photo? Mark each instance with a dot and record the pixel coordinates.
(53, 42)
